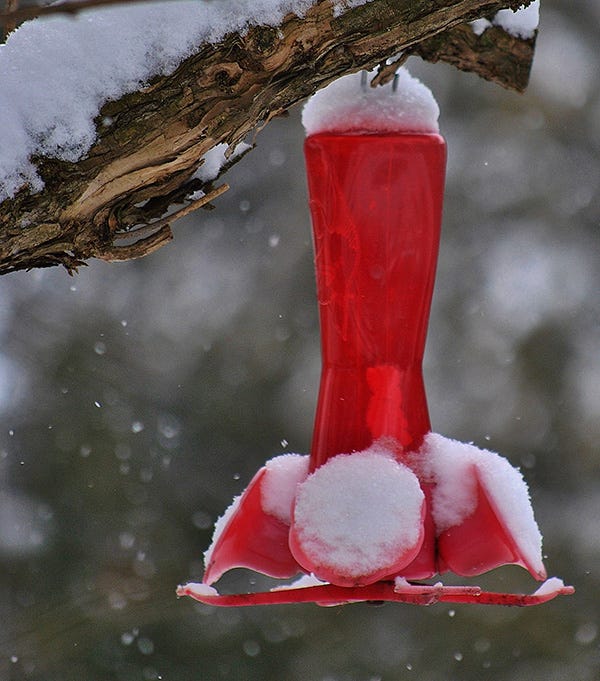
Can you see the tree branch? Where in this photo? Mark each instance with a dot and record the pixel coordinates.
(494, 55)
(10, 19)
(145, 160)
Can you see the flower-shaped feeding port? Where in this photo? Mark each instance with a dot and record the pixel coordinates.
(381, 503)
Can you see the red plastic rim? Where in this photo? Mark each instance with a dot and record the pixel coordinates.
(329, 595)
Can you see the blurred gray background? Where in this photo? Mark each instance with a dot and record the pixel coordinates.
(137, 399)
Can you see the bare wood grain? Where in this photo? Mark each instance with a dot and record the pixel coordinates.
(144, 159)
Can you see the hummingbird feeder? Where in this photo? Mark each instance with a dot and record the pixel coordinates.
(381, 504)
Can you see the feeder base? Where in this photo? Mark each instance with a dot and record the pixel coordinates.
(399, 591)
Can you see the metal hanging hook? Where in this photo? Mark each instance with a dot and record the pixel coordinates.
(363, 81)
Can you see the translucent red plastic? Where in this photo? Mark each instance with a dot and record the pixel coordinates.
(376, 205)
(385, 591)
(252, 539)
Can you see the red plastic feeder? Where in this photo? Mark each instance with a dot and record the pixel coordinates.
(376, 205)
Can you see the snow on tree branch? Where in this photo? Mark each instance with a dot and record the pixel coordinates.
(106, 116)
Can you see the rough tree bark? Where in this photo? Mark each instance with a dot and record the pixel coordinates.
(114, 203)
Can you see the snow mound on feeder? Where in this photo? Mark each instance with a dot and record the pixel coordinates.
(550, 586)
(303, 582)
(196, 589)
(278, 489)
(450, 462)
(345, 106)
(357, 513)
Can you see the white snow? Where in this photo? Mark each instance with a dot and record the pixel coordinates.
(57, 72)
(479, 26)
(216, 158)
(303, 582)
(342, 5)
(550, 586)
(345, 106)
(196, 589)
(357, 512)
(521, 24)
(450, 463)
(220, 525)
(278, 487)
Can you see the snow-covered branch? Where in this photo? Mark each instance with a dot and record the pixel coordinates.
(111, 117)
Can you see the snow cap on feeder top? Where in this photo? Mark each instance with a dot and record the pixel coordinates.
(346, 106)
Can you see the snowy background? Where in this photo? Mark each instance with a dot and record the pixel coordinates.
(137, 399)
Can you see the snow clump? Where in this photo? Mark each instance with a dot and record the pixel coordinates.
(345, 106)
(278, 487)
(522, 23)
(357, 512)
